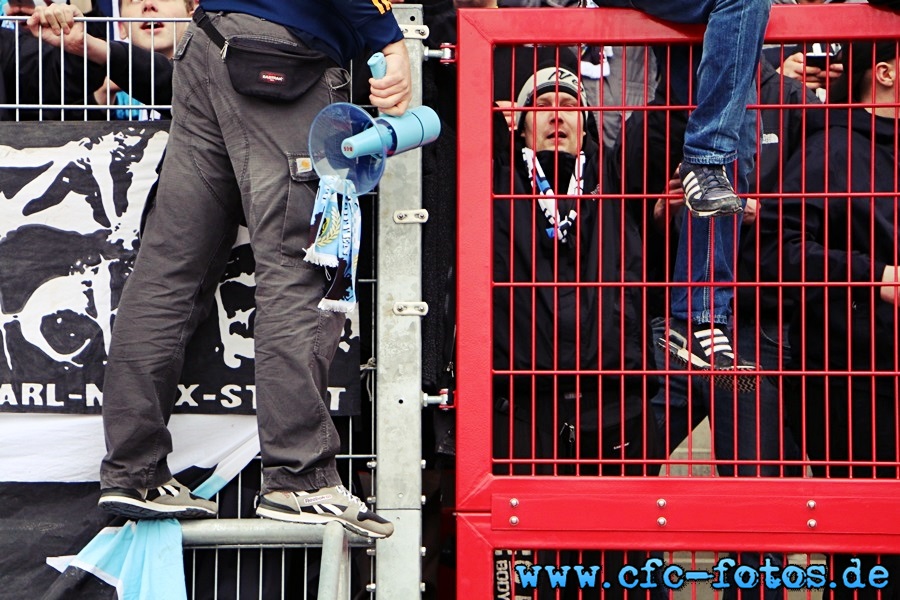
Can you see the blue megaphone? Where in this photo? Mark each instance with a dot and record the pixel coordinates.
(417, 127)
(346, 142)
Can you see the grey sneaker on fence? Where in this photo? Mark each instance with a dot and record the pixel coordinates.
(707, 191)
(323, 505)
(708, 348)
(169, 501)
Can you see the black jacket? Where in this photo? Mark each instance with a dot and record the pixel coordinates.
(840, 326)
(780, 136)
(575, 325)
(782, 129)
(146, 75)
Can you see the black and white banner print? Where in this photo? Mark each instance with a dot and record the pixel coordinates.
(72, 196)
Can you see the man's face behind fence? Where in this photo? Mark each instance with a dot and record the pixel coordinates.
(151, 34)
(551, 129)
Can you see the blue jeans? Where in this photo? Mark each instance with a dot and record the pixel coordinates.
(719, 130)
(705, 254)
(731, 48)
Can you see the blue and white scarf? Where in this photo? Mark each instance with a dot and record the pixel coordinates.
(558, 223)
(334, 237)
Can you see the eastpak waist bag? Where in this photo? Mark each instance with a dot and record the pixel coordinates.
(266, 68)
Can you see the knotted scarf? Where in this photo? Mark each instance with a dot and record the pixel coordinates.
(561, 223)
(334, 235)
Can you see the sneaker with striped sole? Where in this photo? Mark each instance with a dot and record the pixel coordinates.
(709, 348)
(707, 191)
(323, 505)
(171, 500)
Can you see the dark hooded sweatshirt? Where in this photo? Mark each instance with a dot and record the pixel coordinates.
(840, 240)
(575, 324)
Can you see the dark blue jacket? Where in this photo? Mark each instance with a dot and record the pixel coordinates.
(342, 29)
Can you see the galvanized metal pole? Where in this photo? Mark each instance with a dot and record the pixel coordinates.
(335, 558)
(398, 329)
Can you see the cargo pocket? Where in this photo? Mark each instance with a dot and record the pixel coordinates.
(295, 235)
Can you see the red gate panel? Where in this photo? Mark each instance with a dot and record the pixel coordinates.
(522, 491)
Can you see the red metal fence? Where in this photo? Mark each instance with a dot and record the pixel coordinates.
(520, 490)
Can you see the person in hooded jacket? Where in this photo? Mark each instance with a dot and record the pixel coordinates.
(568, 241)
(555, 223)
(844, 248)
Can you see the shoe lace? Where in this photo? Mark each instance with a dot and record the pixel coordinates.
(360, 505)
(713, 177)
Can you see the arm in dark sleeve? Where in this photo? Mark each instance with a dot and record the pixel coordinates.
(82, 77)
(373, 20)
(146, 75)
(803, 253)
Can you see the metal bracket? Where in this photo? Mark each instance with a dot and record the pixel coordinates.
(418, 215)
(414, 32)
(442, 400)
(446, 53)
(411, 309)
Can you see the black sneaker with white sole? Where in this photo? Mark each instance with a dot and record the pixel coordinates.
(324, 505)
(169, 501)
(707, 191)
(709, 348)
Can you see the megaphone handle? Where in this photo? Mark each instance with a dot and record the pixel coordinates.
(377, 65)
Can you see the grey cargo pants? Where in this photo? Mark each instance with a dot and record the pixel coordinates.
(228, 156)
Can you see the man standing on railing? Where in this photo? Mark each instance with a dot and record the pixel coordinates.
(250, 77)
(720, 130)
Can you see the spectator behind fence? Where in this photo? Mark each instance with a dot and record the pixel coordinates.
(570, 325)
(142, 65)
(238, 150)
(845, 250)
(566, 327)
(763, 312)
(781, 133)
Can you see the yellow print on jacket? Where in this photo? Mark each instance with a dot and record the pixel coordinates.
(382, 5)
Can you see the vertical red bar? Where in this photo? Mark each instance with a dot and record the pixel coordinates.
(474, 322)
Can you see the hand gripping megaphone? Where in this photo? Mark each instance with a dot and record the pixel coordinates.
(346, 142)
